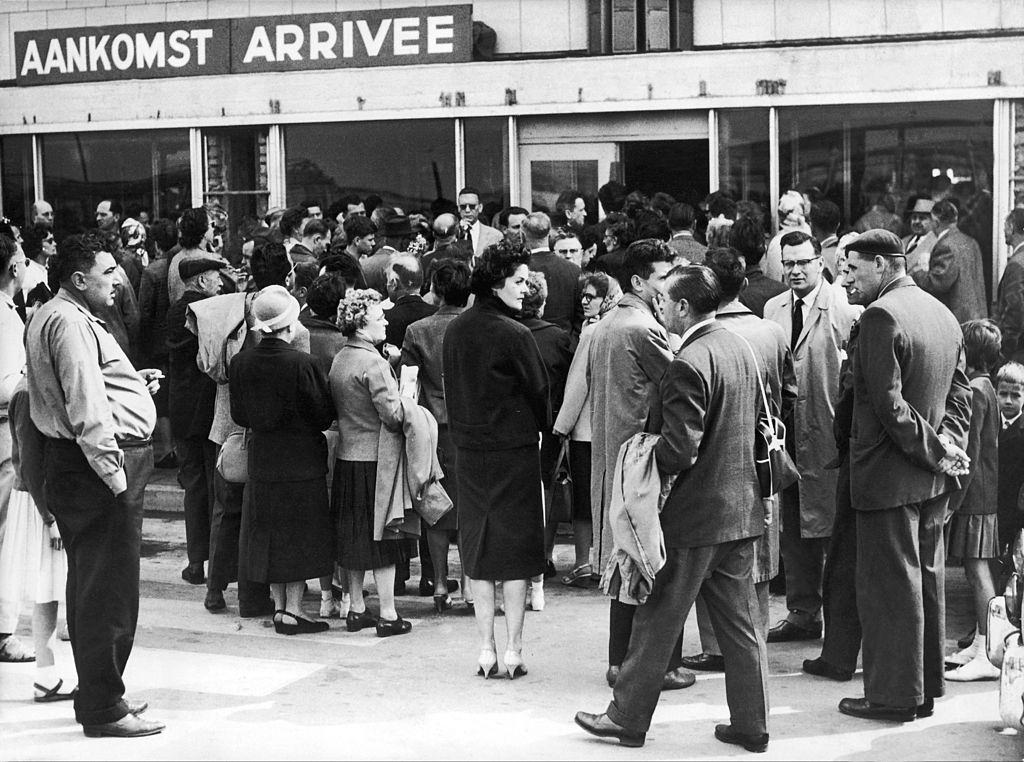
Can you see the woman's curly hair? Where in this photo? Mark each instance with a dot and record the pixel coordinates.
(353, 309)
(536, 294)
(498, 261)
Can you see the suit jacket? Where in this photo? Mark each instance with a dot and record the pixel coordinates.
(629, 352)
(955, 276)
(759, 290)
(817, 358)
(563, 307)
(556, 350)
(407, 310)
(153, 306)
(190, 392)
(909, 386)
(919, 256)
(422, 348)
(1011, 476)
(710, 401)
(484, 236)
(325, 339)
(1010, 307)
(685, 245)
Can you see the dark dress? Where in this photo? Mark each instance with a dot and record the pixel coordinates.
(496, 394)
(281, 395)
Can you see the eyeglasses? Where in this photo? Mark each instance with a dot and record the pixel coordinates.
(587, 298)
(789, 264)
(468, 206)
(568, 251)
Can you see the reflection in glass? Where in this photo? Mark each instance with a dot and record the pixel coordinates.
(549, 178)
(743, 156)
(486, 152)
(16, 162)
(147, 167)
(236, 178)
(409, 164)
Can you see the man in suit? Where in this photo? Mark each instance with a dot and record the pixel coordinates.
(1010, 296)
(681, 220)
(404, 278)
(921, 241)
(471, 230)
(817, 322)
(628, 356)
(954, 276)
(911, 416)
(564, 307)
(710, 402)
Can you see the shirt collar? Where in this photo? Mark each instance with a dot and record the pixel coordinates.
(683, 234)
(1010, 421)
(832, 239)
(694, 328)
(1017, 248)
(812, 297)
(942, 235)
(5, 298)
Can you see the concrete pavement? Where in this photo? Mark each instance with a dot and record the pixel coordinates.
(230, 688)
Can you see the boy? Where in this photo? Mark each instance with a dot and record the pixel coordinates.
(1010, 392)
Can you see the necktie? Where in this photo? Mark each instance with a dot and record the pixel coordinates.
(913, 244)
(798, 323)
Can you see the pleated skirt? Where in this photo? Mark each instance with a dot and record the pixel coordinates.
(31, 571)
(973, 536)
(352, 502)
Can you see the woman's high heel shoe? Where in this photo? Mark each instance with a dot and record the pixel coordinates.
(514, 664)
(488, 664)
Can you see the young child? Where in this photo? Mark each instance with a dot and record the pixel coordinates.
(1010, 393)
(973, 532)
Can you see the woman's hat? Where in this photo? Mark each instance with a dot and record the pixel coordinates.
(274, 309)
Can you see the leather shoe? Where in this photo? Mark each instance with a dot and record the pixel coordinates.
(214, 601)
(264, 608)
(387, 628)
(704, 662)
(612, 675)
(356, 621)
(677, 679)
(927, 709)
(786, 631)
(427, 586)
(861, 707)
(729, 734)
(128, 726)
(821, 668)
(599, 725)
(135, 707)
(194, 574)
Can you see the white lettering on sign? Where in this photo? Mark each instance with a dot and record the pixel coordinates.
(77, 57)
(201, 36)
(125, 51)
(149, 54)
(440, 28)
(290, 39)
(407, 35)
(177, 42)
(55, 58)
(323, 36)
(373, 42)
(347, 43)
(259, 46)
(98, 51)
(122, 50)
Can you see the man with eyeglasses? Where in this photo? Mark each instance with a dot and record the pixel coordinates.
(817, 322)
(563, 307)
(478, 235)
(921, 240)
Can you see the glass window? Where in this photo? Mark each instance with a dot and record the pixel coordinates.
(409, 164)
(743, 160)
(145, 167)
(16, 181)
(486, 152)
(874, 161)
(236, 179)
(1018, 155)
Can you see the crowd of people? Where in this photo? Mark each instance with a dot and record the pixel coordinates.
(356, 387)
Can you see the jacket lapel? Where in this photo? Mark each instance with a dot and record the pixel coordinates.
(821, 305)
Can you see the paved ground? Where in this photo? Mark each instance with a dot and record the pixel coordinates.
(230, 688)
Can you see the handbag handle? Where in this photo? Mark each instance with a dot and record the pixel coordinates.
(757, 367)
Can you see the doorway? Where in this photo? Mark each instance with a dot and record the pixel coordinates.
(676, 167)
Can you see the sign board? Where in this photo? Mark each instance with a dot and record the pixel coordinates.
(392, 37)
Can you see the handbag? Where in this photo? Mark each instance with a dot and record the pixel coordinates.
(233, 458)
(775, 467)
(560, 489)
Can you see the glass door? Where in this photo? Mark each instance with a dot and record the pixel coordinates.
(548, 169)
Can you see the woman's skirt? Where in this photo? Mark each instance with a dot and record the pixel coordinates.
(973, 536)
(289, 531)
(31, 571)
(501, 513)
(352, 501)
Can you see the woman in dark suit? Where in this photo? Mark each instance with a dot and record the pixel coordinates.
(281, 395)
(496, 394)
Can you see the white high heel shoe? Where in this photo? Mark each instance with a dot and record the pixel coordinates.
(514, 666)
(487, 663)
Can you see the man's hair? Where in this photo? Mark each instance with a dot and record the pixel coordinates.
(650, 224)
(314, 227)
(408, 271)
(305, 274)
(349, 199)
(345, 266)
(324, 294)
(662, 203)
(357, 226)
(681, 216)
(1011, 373)
(612, 196)
(164, 233)
(8, 248)
(468, 190)
(623, 233)
(825, 216)
(945, 211)
(441, 230)
(982, 341)
(269, 265)
(798, 238)
(307, 203)
(450, 280)
(192, 226)
(566, 201)
(720, 202)
(1016, 218)
(536, 226)
(115, 206)
(696, 284)
(507, 212)
(291, 220)
(730, 269)
(640, 258)
(536, 294)
(747, 238)
(32, 237)
(76, 253)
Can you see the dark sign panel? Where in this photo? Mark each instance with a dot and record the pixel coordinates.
(439, 34)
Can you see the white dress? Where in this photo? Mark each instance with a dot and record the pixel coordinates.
(31, 571)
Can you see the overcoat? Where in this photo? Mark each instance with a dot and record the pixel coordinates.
(817, 359)
(955, 276)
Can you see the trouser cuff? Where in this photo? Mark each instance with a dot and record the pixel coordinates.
(102, 716)
(630, 722)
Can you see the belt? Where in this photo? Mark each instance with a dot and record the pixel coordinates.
(127, 444)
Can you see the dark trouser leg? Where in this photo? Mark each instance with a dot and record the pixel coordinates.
(230, 554)
(899, 565)
(620, 629)
(426, 561)
(804, 560)
(102, 535)
(842, 622)
(224, 531)
(193, 478)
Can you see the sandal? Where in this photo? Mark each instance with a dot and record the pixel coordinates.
(53, 694)
(579, 576)
(13, 650)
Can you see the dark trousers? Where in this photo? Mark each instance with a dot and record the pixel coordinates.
(804, 559)
(197, 460)
(227, 551)
(839, 584)
(902, 601)
(102, 536)
(722, 574)
(620, 629)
